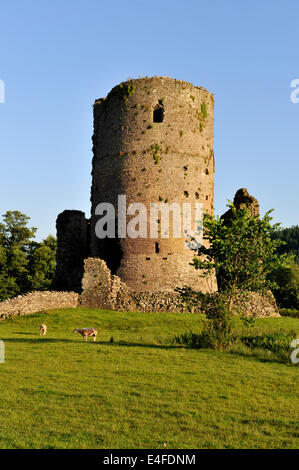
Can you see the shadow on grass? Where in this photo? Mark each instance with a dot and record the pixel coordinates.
(42, 339)
(138, 345)
(23, 333)
(39, 339)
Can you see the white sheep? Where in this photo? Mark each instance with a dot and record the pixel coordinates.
(43, 330)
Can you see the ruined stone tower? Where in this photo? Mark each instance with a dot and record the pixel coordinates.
(153, 143)
(72, 248)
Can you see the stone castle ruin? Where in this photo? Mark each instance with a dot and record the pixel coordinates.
(152, 143)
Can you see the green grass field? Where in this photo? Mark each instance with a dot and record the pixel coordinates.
(139, 391)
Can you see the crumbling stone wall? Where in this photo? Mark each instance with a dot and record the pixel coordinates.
(153, 142)
(99, 286)
(101, 289)
(243, 200)
(72, 248)
(36, 302)
(257, 304)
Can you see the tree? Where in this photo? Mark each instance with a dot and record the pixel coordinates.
(242, 251)
(15, 239)
(286, 278)
(42, 264)
(291, 238)
(24, 264)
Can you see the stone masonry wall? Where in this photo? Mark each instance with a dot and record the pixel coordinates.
(243, 200)
(72, 249)
(36, 302)
(152, 162)
(101, 289)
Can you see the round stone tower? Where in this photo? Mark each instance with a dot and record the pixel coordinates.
(153, 143)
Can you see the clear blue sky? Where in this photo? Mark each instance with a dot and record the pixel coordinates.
(57, 56)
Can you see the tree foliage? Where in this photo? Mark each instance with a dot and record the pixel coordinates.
(291, 238)
(286, 290)
(25, 265)
(241, 251)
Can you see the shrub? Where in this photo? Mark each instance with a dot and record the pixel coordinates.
(217, 329)
(274, 342)
(193, 340)
(289, 312)
(261, 354)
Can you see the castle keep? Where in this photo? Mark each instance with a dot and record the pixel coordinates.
(153, 143)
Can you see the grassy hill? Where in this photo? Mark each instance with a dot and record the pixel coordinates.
(139, 391)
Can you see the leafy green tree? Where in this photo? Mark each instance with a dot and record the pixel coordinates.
(15, 239)
(42, 264)
(14, 230)
(291, 238)
(286, 279)
(24, 264)
(241, 251)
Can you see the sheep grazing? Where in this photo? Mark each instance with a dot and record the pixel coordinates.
(87, 332)
(43, 330)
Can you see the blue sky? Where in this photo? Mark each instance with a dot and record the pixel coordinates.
(58, 56)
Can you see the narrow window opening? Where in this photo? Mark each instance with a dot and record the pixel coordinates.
(147, 259)
(207, 197)
(158, 113)
(165, 258)
(157, 248)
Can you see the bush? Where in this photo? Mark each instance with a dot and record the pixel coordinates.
(193, 340)
(209, 338)
(217, 328)
(289, 312)
(274, 342)
(261, 354)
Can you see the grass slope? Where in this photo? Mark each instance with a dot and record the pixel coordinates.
(140, 391)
